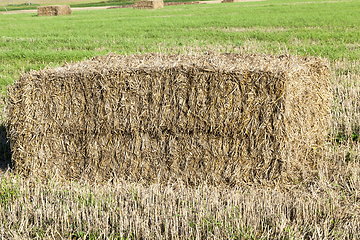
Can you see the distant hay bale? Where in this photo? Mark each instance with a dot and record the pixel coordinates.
(148, 4)
(54, 10)
(220, 118)
(229, 1)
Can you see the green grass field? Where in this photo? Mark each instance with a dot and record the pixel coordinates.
(327, 29)
(24, 5)
(325, 205)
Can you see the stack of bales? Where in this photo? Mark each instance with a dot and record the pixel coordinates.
(148, 4)
(219, 118)
(54, 10)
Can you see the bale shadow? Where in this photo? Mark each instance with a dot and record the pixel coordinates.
(5, 152)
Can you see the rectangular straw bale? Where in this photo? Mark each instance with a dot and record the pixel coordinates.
(148, 4)
(220, 118)
(54, 10)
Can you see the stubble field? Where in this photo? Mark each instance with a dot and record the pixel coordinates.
(323, 205)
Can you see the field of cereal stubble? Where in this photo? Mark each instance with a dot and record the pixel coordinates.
(324, 205)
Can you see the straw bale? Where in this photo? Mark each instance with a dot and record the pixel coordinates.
(221, 118)
(148, 4)
(54, 10)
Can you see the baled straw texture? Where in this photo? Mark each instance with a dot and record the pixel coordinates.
(217, 118)
(148, 4)
(54, 10)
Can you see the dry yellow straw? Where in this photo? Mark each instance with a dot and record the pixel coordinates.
(218, 118)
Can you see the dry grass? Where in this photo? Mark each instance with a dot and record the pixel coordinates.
(326, 206)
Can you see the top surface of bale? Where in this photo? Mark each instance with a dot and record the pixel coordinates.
(226, 63)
